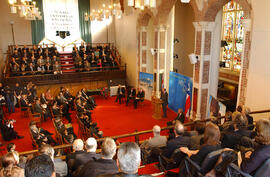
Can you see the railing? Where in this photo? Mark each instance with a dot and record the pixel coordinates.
(64, 78)
(136, 134)
(11, 47)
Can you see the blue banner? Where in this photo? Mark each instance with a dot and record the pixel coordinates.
(179, 87)
(146, 83)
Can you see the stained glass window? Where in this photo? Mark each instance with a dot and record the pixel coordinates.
(232, 33)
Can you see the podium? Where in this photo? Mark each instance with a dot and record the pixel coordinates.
(157, 106)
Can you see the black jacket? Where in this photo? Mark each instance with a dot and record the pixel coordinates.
(180, 141)
(99, 167)
(120, 174)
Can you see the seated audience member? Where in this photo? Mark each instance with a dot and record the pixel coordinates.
(104, 165)
(196, 140)
(10, 168)
(157, 140)
(40, 135)
(180, 140)
(11, 147)
(254, 160)
(89, 155)
(38, 108)
(87, 66)
(43, 99)
(60, 166)
(228, 123)
(57, 68)
(246, 111)
(66, 130)
(233, 138)
(8, 132)
(211, 143)
(139, 97)
(131, 95)
(48, 68)
(77, 147)
(129, 159)
(40, 166)
(55, 59)
(180, 116)
(31, 69)
(48, 95)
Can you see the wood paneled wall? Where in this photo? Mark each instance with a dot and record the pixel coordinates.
(73, 87)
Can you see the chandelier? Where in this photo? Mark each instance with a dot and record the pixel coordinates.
(27, 8)
(105, 12)
(141, 4)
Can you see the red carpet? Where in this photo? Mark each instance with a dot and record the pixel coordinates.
(112, 118)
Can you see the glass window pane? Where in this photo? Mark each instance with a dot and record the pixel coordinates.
(233, 34)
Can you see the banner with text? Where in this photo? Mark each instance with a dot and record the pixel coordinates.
(180, 87)
(61, 19)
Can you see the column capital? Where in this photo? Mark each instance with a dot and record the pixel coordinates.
(143, 29)
(204, 25)
(247, 24)
(161, 28)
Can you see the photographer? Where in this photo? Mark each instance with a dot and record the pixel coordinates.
(8, 131)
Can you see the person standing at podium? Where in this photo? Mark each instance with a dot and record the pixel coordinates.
(164, 98)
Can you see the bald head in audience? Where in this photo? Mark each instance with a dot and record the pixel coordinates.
(78, 145)
(156, 130)
(91, 145)
(179, 129)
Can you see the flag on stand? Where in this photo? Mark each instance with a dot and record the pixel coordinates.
(188, 104)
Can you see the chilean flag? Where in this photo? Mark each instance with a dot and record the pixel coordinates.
(188, 104)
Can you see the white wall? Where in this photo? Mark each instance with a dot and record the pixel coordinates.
(126, 43)
(22, 27)
(215, 55)
(102, 32)
(22, 31)
(258, 85)
(185, 32)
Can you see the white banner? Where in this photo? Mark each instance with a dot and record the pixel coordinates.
(61, 19)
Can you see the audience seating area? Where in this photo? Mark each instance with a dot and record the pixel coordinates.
(38, 60)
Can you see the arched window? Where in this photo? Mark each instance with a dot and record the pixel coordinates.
(232, 37)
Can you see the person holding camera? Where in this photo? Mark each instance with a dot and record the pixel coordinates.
(8, 132)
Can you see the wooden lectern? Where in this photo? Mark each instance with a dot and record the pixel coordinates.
(156, 102)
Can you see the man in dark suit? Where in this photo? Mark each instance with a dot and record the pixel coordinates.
(139, 98)
(128, 158)
(180, 140)
(131, 95)
(120, 93)
(77, 147)
(90, 154)
(24, 102)
(42, 111)
(104, 165)
(180, 116)
(164, 98)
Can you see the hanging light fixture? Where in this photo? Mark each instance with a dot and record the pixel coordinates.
(185, 1)
(27, 9)
(105, 12)
(130, 3)
(141, 4)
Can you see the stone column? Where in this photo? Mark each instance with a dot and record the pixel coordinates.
(143, 49)
(160, 56)
(201, 82)
(241, 98)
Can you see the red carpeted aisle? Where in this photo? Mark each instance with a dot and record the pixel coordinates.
(112, 118)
